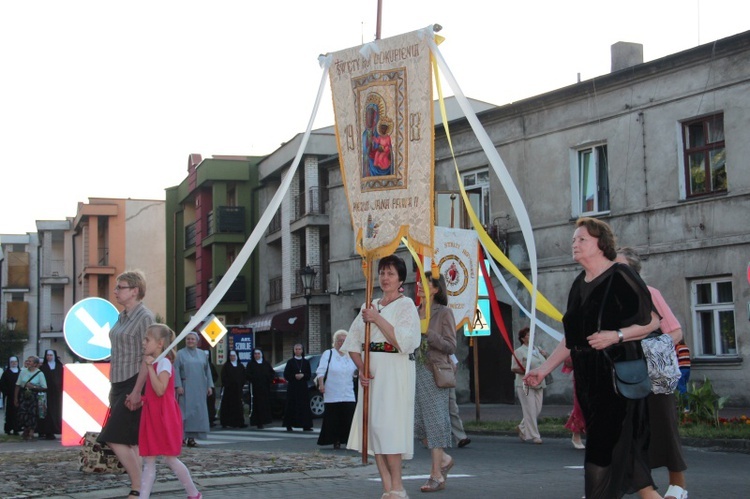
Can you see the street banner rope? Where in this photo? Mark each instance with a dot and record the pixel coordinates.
(511, 191)
(265, 220)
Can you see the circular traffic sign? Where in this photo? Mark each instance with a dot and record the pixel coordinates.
(86, 328)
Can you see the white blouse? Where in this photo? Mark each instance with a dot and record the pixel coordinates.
(339, 386)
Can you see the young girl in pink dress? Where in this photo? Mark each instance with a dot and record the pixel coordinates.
(161, 420)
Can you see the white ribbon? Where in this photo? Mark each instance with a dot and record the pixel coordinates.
(369, 49)
(233, 271)
(554, 333)
(505, 179)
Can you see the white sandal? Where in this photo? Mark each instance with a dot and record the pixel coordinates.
(676, 492)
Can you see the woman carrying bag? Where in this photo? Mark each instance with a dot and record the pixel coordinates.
(335, 373)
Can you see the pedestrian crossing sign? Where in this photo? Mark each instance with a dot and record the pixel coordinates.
(213, 330)
(482, 318)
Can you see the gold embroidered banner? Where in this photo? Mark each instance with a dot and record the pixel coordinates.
(382, 100)
(457, 257)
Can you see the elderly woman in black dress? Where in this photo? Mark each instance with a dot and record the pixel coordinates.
(616, 461)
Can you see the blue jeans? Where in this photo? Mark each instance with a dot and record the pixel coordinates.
(682, 383)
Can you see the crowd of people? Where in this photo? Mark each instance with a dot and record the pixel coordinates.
(32, 396)
(156, 408)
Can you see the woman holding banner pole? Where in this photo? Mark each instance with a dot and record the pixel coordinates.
(394, 335)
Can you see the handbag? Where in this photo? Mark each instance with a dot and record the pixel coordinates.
(41, 405)
(663, 366)
(444, 376)
(97, 457)
(629, 375)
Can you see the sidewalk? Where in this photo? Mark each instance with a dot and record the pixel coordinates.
(509, 412)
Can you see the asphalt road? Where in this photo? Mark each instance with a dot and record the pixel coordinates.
(490, 467)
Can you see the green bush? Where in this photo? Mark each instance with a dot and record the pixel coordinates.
(702, 402)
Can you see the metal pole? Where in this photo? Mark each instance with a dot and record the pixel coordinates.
(475, 343)
(380, 18)
(307, 321)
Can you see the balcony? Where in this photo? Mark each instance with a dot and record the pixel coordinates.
(190, 231)
(311, 202)
(275, 224)
(235, 293)
(191, 293)
(227, 219)
(276, 290)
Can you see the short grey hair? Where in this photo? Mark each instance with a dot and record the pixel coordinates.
(340, 332)
(631, 255)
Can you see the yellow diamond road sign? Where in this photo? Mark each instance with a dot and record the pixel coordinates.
(213, 331)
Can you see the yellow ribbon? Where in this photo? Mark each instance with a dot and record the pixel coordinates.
(543, 305)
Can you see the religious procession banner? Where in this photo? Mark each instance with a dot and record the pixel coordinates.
(382, 100)
(457, 257)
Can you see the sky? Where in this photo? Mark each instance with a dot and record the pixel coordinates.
(107, 98)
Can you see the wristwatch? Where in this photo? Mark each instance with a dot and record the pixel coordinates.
(620, 336)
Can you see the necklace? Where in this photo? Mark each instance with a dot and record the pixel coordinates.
(382, 305)
(299, 364)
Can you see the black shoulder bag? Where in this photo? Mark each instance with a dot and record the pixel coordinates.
(629, 376)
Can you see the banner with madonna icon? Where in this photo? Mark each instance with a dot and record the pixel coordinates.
(382, 100)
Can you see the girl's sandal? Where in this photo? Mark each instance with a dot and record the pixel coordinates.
(432, 485)
(134, 493)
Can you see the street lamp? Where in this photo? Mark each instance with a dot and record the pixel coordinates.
(308, 278)
(11, 323)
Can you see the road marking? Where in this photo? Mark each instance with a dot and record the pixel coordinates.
(424, 477)
(271, 434)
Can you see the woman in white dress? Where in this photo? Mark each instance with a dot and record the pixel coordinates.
(394, 335)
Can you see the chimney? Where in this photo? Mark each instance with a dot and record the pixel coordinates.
(626, 54)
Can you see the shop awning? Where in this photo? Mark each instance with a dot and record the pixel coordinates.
(291, 320)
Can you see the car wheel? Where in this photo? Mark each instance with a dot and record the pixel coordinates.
(317, 405)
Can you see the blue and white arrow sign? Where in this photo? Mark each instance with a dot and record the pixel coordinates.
(86, 328)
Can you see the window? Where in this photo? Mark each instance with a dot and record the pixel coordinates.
(713, 317)
(705, 156)
(449, 206)
(591, 182)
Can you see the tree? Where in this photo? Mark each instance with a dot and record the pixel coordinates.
(11, 343)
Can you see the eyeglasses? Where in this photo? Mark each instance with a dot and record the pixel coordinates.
(118, 287)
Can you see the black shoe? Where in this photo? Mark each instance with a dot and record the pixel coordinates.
(260, 426)
(307, 429)
(336, 446)
(288, 428)
(50, 437)
(464, 442)
(243, 425)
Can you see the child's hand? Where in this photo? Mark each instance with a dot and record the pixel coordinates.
(148, 359)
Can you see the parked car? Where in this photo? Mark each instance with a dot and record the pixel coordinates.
(279, 386)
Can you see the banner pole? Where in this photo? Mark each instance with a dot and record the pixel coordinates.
(475, 344)
(366, 267)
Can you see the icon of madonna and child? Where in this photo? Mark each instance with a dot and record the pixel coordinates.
(377, 148)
